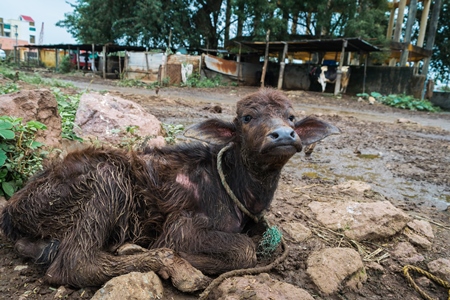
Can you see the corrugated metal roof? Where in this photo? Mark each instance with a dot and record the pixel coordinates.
(331, 45)
(86, 47)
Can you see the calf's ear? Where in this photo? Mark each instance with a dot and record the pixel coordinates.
(213, 131)
(311, 130)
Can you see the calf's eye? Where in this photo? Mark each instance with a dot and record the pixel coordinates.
(291, 118)
(247, 118)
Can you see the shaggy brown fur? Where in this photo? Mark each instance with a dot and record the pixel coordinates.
(74, 215)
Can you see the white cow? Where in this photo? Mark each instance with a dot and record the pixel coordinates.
(329, 74)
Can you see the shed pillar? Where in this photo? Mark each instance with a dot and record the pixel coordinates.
(282, 65)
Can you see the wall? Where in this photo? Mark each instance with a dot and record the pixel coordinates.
(143, 65)
(47, 57)
(386, 80)
(441, 99)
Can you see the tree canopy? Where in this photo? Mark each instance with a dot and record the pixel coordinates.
(212, 23)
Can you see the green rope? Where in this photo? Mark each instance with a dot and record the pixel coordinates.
(269, 242)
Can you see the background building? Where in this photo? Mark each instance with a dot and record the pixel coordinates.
(17, 32)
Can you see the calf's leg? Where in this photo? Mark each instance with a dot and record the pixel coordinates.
(210, 251)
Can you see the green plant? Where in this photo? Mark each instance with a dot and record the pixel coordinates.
(8, 88)
(66, 65)
(131, 83)
(20, 153)
(67, 107)
(195, 80)
(35, 79)
(409, 102)
(402, 101)
(172, 131)
(165, 81)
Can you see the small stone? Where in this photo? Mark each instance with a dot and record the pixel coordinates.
(20, 268)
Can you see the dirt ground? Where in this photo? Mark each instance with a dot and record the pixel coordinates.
(403, 155)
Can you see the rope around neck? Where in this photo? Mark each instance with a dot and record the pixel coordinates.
(227, 187)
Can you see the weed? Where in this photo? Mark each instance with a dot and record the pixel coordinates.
(402, 101)
(9, 88)
(20, 153)
(66, 65)
(195, 80)
(172, 131)
(67, 107)
(131, 83)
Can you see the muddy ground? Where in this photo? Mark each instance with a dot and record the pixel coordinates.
(403, 155)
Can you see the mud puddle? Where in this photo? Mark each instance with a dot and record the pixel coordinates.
(340, 165)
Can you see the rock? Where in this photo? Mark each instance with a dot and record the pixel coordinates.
(374, 266)
(258, 287)
(20, 268)
(296, 231)
(329, 267)
(405, 121)
(133, 285)
(107, 117)
(358, 186)
(441, 268)
(422, 227)
(372, 100)
(406, 253)
(417, 239)
(39, 105)
(361, 221)
(60, 292)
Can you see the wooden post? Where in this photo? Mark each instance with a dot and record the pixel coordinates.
(365, 72)
(56, 59)
(146, 63)
(337, 85)
(266, 59)
(78, 58)
(423, 23)
(399, 23)
(120, 66)
(391, 22)
(431, 35)
(238, 60)
(282, 65)
(104, 61)
(125, 64)
(409, 24)
(93, 61)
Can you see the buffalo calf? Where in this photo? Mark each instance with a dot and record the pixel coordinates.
(74, 216)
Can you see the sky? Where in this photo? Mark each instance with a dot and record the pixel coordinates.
(47, 11)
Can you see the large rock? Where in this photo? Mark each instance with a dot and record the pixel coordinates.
(422, 227)
(441, 268)
(133, 285)
(39, 105)
(296, 231)
(361, 221)
(406, 253)
(331, 268)
(260, 287)
(106, 118)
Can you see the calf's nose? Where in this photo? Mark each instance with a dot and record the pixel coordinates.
(283, 134)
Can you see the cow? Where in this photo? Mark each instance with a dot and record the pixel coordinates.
(75, 216)
(328, 74)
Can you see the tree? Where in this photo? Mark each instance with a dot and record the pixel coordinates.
(440, 60)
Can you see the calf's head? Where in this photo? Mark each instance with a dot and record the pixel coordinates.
(265, 130)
